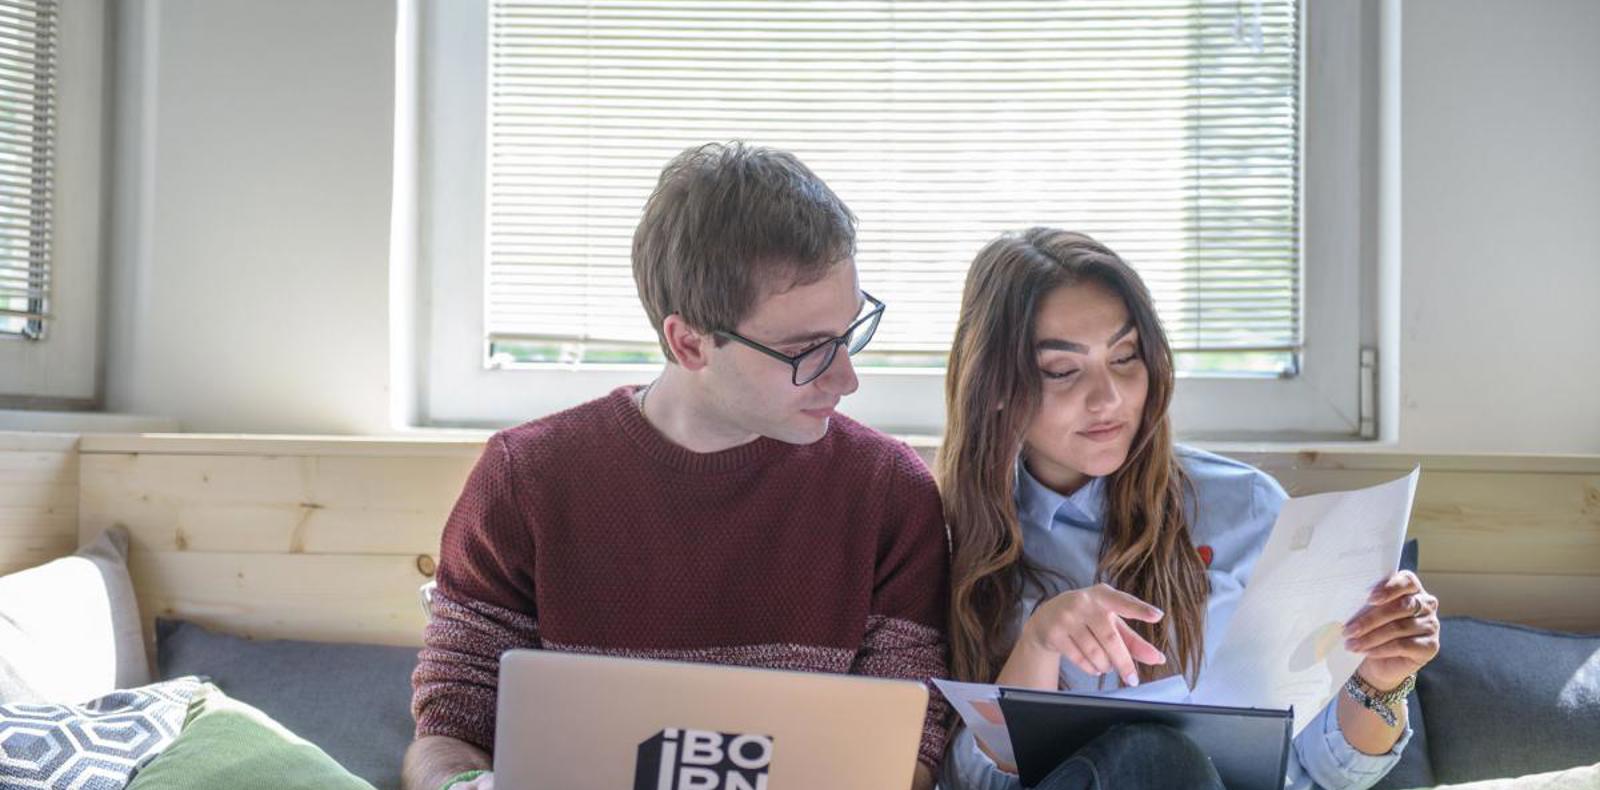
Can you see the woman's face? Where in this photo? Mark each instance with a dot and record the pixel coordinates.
(1095, 382)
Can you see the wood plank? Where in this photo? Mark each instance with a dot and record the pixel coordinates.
(1379, 459)
(19, 553)
(322, 597)
(273, 504)
(433, 442)
(1488, 521)
(1565, 603)
(38, 504)
(311, 538)
(38, 441)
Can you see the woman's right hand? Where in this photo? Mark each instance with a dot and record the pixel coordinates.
(1088, 628)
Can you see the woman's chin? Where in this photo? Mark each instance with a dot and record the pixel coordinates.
(1104, 462)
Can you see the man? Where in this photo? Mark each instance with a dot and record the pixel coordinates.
(724, 513)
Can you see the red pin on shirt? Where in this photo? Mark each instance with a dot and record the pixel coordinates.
(1205, 555)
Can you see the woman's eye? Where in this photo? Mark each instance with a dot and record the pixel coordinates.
(1050, 374)
(1125, 360)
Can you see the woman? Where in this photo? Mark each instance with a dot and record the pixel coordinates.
(1092, 554)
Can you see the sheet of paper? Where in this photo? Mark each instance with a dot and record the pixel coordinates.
(979, 706)
(1284, 646)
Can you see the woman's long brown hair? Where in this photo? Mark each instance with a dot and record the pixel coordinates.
(991, 396)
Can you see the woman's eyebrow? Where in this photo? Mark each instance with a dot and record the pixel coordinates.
(1056, 344)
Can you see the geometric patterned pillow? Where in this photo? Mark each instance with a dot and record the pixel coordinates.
(94, 746)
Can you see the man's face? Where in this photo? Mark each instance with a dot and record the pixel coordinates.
(755, 393)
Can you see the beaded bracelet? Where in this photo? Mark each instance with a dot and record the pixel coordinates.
(1380, 702)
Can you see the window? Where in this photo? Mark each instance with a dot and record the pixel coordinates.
(1171, 130)
(51, 58)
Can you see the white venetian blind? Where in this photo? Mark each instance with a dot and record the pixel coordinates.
(1165, 128)
(27, 143)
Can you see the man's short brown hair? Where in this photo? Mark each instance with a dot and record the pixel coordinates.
(726, 224)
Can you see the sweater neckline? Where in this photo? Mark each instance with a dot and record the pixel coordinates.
(657, 447)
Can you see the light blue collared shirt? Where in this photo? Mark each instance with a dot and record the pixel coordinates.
(1234, 506)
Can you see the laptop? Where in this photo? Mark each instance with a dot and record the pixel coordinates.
(571, 722)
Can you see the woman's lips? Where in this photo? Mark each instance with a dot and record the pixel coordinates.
(1105, 434)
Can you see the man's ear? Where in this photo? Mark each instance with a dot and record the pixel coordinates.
(689, 345)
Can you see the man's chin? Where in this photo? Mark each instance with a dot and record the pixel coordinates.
(806, 431)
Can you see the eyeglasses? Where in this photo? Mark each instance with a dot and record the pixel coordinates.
(814, 361)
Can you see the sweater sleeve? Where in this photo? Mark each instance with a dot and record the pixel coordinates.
(905, 636)
(484, 605)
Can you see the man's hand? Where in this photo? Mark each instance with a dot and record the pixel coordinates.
(433, 759)
(483, 782)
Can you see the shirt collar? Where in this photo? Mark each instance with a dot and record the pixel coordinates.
(1041, 507)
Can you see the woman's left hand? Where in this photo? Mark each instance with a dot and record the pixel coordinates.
(1398, 631)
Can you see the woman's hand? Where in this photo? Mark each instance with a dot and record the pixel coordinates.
(1398, 631)
(1087, 628)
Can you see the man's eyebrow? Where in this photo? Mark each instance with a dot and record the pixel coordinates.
(807, 337)
(819, 336)
(1056, 344)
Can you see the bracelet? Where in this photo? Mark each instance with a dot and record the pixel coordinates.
(464, 776)
(1382, 703)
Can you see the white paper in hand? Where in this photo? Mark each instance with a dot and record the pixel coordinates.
(1285, 644)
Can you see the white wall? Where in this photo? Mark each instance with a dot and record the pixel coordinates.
(1500, 161)
(249, 281)
(250, 273)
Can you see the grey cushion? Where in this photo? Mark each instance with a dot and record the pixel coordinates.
(352, 700)
(1506, 700)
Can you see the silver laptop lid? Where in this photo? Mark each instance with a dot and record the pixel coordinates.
(571, 722)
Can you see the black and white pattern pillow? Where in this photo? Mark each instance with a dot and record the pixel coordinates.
(94, 746)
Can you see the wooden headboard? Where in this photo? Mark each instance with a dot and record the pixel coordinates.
(329, 539)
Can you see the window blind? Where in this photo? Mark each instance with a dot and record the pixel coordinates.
(28, 32)
(1168, 129)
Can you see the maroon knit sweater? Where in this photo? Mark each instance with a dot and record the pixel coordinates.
(588, 531)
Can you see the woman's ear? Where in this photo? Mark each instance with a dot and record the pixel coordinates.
(687, 344)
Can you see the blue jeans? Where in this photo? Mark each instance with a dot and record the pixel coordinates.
(1135, 756)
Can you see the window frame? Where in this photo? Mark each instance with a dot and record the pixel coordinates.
(1324, 400)
(61, 369)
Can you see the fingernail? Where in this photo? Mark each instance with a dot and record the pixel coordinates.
(1133, 680)
(1350, 644)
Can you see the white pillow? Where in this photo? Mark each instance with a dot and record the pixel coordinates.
(70, 629)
